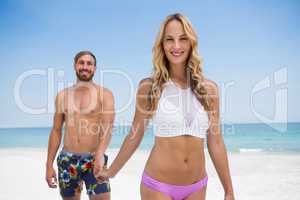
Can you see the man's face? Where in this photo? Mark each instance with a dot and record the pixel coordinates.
(85, 68)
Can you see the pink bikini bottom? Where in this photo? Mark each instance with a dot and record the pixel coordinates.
(176, 192)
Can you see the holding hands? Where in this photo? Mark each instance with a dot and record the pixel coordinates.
(103, 175)
(100, 169)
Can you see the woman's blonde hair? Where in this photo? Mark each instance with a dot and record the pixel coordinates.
(160, 73)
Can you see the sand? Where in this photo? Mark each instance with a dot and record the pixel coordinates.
(255, 176)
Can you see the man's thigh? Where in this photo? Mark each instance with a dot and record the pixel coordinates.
(103, 196)
(76, 197)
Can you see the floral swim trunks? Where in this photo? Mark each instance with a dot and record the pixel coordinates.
(76, 168)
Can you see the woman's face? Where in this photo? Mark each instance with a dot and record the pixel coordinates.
(176, 43)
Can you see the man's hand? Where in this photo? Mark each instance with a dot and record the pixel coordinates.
(98, 164)
(103, 175)
(51, 177)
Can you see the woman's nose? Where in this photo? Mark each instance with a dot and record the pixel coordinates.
(176, 44)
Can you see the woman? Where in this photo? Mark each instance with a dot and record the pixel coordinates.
(184, 107)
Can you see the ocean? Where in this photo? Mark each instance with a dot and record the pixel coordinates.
(257, 137)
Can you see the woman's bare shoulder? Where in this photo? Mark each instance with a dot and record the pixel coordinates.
(145, 85)
(211, 87)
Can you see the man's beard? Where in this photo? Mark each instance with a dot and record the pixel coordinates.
(83, 77)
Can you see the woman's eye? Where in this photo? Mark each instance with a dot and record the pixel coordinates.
(184, 39)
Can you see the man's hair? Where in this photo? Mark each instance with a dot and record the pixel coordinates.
(82, 53)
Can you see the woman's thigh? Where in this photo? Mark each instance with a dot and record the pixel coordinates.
(150, 194)
(198, 195)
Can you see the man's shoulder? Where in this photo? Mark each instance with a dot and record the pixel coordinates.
(105, 93)
(62, 93)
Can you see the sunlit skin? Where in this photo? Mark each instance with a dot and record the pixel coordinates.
(87, 112)
(176, 45)
(85, 68)
(176, 160)
(173, 158)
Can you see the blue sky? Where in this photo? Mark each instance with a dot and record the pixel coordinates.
(242, 43)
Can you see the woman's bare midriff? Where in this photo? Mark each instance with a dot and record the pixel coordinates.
(178, 160)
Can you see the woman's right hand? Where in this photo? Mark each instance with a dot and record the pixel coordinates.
(134, 138)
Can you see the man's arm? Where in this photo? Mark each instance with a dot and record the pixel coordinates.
(54, 141)
(106, 124)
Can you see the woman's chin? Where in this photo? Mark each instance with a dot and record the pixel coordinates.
(177, 62)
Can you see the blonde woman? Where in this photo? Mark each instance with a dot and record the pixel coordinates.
(184, 108)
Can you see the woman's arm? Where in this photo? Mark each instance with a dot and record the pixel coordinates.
(106, 120)
(134, 138)
(215, 143)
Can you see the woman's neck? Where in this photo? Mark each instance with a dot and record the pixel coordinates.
(178, 72)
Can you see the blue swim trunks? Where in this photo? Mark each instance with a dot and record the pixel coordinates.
(76, 168)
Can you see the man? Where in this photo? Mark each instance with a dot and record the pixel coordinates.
(87, 112)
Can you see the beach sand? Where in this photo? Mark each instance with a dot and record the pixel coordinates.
(255, 175)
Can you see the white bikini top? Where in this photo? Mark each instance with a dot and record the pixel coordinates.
(179, 112)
